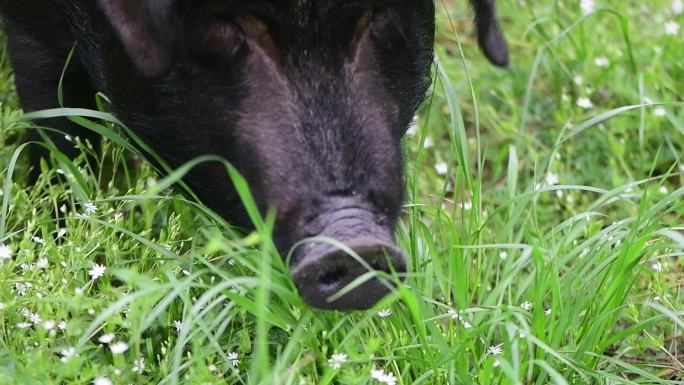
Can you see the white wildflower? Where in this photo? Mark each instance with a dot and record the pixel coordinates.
(89, 209)
(62, 325)
(602, 62)
(67, 353)
(118, 347)
(495, 350)
(457, 317)
(78, 291)
(441, 168)
(662, 190)
(677, 7)
(212, 368)
(671, 28)
(61, 233)
(178, 325)
(382, 377)
(503, 255)
(38, 240)
(578, 79)
(21, 288)
(97, 271)
(233, 358)
(336, 360)
(655, 266)
(384, 313)
(547, 312)
(429, 143)
(585, 103)
(551, 179)
(106, 338)
(49, 324)
(102, 381)
(2, 306)
(527, 305)
(34, 318)
(659, 112)
(413, 128)
(24, 325)
(587, 6)
(138, 365)
(5, 252)
(42, 263)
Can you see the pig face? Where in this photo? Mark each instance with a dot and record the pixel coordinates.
(308, 99)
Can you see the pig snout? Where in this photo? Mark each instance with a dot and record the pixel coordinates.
(322, 270)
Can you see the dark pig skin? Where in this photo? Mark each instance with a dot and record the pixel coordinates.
(307, 99)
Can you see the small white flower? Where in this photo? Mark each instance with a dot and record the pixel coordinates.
(97, 271)
(337, 360)
(441, 168)
(655, 266)
(677, 8)
(503, 255)
(495, 350)
(578, 79)
(102, 381)
(5, 252)
(138, 365)
(78, 291)
(659, 112)
(382, 377)
(551, 179)
(587, 6)
(429, 143)
(2, 306)
(49, 324)
(38, 240)
(585, 103)
(106, 338)
(178, 325)
(527, 305)
(62, 325)
(21, 288)
(118, 347)
(466, 205)
(233, 358)
(42, 263)
(118, 217)
(671, 28)
(457, 317)
(212, 368)
(602, 62)
(67, 353)
(89, 209)
(24, 325)
(662, 190)
(547, 311)
(61, 233)
(34, 318)
(413, 128)
(384, 313)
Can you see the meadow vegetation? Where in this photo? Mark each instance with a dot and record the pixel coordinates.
(544, 223)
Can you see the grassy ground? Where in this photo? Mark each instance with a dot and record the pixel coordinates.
(545, 223)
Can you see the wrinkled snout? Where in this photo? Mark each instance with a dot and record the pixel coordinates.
(334, 278)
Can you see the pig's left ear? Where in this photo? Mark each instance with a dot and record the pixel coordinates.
(149, 30)
(489, 34)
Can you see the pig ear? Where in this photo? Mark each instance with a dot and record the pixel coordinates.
(149, 30)
(489, 34)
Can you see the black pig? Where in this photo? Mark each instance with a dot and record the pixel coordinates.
(308, 99)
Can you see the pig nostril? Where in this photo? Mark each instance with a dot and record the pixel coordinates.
(332, 276)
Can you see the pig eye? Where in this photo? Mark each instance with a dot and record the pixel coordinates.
(214, 40)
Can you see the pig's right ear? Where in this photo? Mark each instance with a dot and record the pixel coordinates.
(489, 35)
(149, 30)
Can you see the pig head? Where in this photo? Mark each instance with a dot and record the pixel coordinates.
(308, 99)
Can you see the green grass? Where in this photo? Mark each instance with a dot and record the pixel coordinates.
(555, 233)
